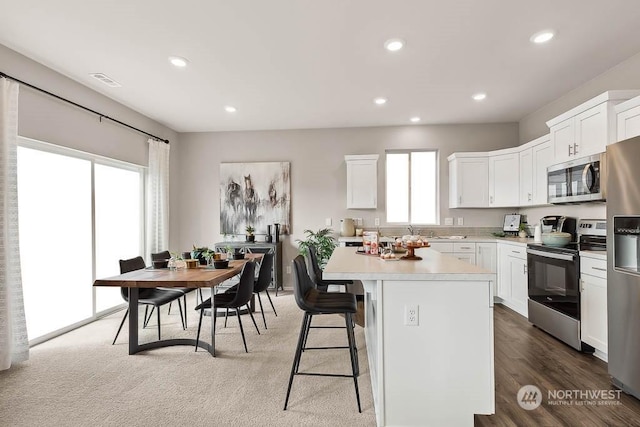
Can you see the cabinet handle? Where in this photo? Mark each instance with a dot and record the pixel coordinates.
(529, 196)
(465, 247)
(599, 269)
(524, 268)
(516, 252)
(490, 199)
(459, 200)
(570, 153)
(575, 149)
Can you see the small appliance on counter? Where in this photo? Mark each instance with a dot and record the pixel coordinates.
(511, 225)
(557, 223)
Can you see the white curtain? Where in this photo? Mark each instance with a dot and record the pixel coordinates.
(14, 343)
(157, 206)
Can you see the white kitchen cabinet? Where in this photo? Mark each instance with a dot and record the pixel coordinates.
(628, 117)
(542, 154)
(486, 257)
(504, 180)
(464, 251)
(468, 182)
(526, 177)
(588, 128)
(362, 181)
(593, 304)
(513, 277)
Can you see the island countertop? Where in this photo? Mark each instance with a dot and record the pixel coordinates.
(345, 263)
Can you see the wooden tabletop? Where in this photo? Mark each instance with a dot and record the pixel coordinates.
(201, 277)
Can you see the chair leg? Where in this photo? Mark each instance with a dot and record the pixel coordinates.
(269, 296)
(306, 326)
(241, 330)
(158, 313)
(200, 293)
(306, 333)
(144, 323)
(121, 323)
(354, 362)
(253, 319)
(226, 315)
(262, 310)
(150, 314)
(184, 297)
(169, 311)
(296, 358)
(199, 326)
(184, 326)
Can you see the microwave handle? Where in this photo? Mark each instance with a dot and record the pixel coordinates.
(585, 173)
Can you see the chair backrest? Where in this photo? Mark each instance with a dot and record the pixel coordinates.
(303, 287)
(245, 286)
(161, 256)
(127, 265)
(264, 276)
(313, 267)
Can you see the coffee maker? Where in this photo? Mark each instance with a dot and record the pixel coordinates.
(565, 224)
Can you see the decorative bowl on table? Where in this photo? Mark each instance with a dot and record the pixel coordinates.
(556, 239)
(191, 263)
(220, 263)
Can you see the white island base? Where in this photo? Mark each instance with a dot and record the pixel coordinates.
(441, 371)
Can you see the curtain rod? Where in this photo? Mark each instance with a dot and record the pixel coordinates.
(102, 116)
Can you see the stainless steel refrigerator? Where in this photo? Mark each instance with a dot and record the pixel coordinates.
(623, 264)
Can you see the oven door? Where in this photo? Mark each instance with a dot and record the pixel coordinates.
(553, 280)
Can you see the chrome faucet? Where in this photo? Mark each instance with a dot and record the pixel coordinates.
(410, 228)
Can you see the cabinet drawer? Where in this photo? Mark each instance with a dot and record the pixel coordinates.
(516, 251)
(464, 247)
(445, 247)
(593, 267)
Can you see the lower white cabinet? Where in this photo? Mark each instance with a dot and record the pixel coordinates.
(487, 258)
(512, 276)
(593, 304)
(463, 251)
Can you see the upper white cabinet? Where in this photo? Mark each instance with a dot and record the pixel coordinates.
(468, 181)
(362, 181)
(587, 128)
(503, 180)
(533, 171)
(526, 177)
(628, 115)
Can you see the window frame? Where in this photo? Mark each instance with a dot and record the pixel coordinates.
(409, 186)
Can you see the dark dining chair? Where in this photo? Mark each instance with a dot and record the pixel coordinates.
(314, 302)
(153, 297)
(315, 272)
(232, 300)
(262, 283)
(165, 255)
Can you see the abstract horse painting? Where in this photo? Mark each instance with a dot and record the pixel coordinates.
(254, 194)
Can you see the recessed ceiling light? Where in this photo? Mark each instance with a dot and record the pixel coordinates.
(479, 96)
(542, 36)
(394, 45)
(415, 119)
(380, 101)
(178, 61)
(230, 109)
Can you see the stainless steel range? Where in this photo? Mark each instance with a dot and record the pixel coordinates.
(554, 283)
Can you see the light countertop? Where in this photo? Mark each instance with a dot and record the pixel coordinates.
(345, 263)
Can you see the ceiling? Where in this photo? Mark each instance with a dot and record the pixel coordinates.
(292, 64)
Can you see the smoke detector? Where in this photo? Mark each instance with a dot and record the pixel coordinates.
(105, 79)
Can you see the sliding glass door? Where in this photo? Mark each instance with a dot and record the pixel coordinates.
(79, 214)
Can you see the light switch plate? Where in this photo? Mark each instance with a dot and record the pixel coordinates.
(460, 221)
(448, 221)
(327, 222)
(376, 222)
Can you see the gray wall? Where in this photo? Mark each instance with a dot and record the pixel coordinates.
(49, 120)
(318, 172)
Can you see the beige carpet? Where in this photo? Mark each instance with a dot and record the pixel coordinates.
(80, 379)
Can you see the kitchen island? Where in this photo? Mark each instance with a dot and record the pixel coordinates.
(429, 336)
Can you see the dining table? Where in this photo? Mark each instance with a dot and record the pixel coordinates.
(199, 277)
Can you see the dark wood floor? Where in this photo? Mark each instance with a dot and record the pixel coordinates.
(526, 355)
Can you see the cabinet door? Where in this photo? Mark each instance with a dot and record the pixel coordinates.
(472, 182)
(467, 257)
(593, 312)
(591, 131)
(519, 285)
(362, 184)
(542, 158)
(526, 177)
(486, 256)
(504, 180)
(504, 273)
(629, 123)
(562, 139)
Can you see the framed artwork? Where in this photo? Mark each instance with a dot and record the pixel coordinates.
(256, 194)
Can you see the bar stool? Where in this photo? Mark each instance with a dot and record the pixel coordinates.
(314, 302)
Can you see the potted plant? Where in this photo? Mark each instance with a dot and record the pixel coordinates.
(250, 236)
(201, 254)
(323, 241)
(522, 230)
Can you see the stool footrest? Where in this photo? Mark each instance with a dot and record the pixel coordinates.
(323, 348)
(317, 374)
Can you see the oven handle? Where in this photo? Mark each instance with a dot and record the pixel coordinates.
(550, 255)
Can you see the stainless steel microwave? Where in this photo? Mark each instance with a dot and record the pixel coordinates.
(578, 181)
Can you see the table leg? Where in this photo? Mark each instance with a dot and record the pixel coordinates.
(133, 320)
(213, 323)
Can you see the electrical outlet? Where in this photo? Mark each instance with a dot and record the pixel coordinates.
(448, 221)
(327, 222)
(460, 221)
(376, 222)
(358, 221)
(411, 315)
(288, 269)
